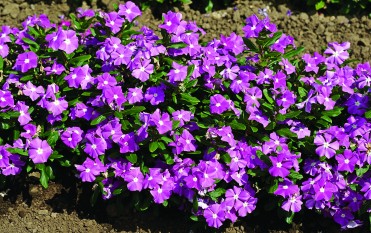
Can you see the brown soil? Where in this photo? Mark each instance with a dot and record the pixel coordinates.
(65, 207)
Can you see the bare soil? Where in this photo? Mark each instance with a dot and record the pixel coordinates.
(65, 206)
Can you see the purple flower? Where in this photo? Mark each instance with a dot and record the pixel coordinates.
(300, 130)
(135, 95)
(71, 136)
(32, 91)
(135, 178)
(127, 143)
(114, 94)
(280, 166)
(24, 116)
(178, 73)
(218, 104)
(357, 104)
(172, 22)
(287, 99)
(30, 131)
(69, 41)
(310, 63)
(95, 146)
(155, 95)
(129, 10)
(252, 97)
(162, 122)
(26, 61)
(257, 115)
(39, 150)
(187, 141)
(54, 69)
(214, 215)
(143, 70)
(347, 161)
(253, 27)
(122, 55)
(162, 193)
(4, 50)
(286, 189)
(6, 99)
(326, 146)
(90, 169)
(114, 21)
(182, 116)
(293, 203)
(338, 53)
(57, 106)
(324, 190)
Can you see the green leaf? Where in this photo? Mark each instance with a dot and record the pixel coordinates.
(334, 112)
(250, 45)
(132, 158)
(44, 178)
(237, 125)
(178, 45)
(286, 132)
(31, 43)
(362, 170)
(53, 138)
(273, 187)
(295, 175)
(368, 114)
(78, 61)
(98, 120)
(195, 218)
(133, 110)
(169, 160)
(17, 151)
(289, 115)
(55, 155)
(153, 147)
(272, 40)
(302, 91)
(290, 218)
(214, 195)
(175, 125)
(209, 6)
(1, 64)
(75, 22)
(266, 95)
(319, 5)
(190, 99)
(293, 52)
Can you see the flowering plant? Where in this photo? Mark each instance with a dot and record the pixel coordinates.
(213, 126)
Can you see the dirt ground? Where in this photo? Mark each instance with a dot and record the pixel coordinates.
(65, 208)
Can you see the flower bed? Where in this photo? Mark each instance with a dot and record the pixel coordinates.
(209, 127)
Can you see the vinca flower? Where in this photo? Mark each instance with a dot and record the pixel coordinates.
(26, 61)
(39, 150)
(129, 10)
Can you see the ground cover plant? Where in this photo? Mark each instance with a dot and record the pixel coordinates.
(207, 127)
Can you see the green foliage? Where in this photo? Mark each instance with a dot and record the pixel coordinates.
(344, 6)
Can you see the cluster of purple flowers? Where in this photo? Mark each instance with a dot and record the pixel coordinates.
(182, 119)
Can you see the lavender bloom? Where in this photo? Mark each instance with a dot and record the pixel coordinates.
(127, 143)
(289, 68)
(257, 115)
(30, 131)
(347, 161)
(253, 27)
(182, 116)
(357, 104)
(6, 99)
(214, 215)
(162, 122)
(286, 189)
(324, 190)
(90, 169)
(4, 35)
(187, 141)
(162, 193)
(69, 41)
(326, 146)
(300, 130)
(218, 104)
(135, 95)
(32, 91)
(311, 64)
(129, 10)
(252, 97)
(114, 94)
(71, 136)
(39, 150)
(4, 50)
(155, 95)
(280, 166)
(293, 203)
(95, 146)
(24, 116)
(338, 53)
(57, 106)
(172, 22)
(324, 98)
(143, 70)
(178, 73)
(135, 178)
(113, 21)
(54, 69)
(26, 61)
